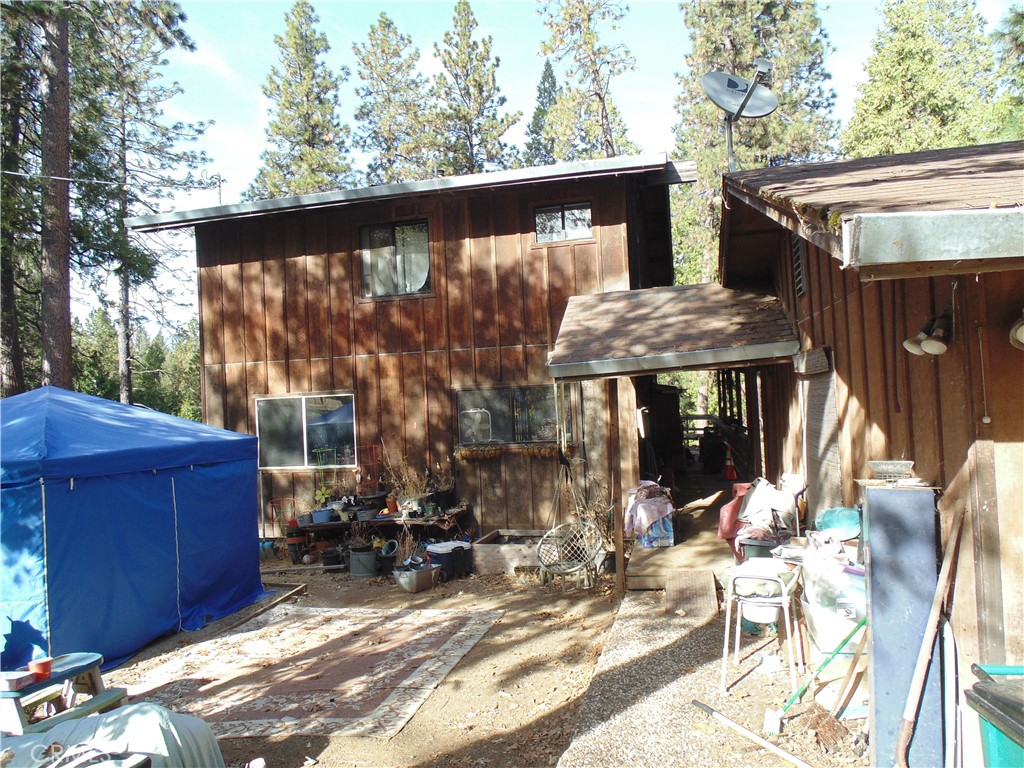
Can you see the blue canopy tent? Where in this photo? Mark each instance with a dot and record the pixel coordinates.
(119, 524)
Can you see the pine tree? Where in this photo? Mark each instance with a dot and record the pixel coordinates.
(55, 233)
(584, 121)
(128, 158)
(308, 145)
(19, 200)
(540, 148)
(468, 122)
(96, 356)
(930, 82)
(727, 37)
(1009, 106)
(392, 97)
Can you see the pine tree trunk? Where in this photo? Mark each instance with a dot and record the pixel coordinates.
(12, 360)
(55, 261)
(124, 317)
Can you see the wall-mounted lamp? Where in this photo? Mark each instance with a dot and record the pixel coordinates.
(934, 336)
(1017, 332)
(913, 344)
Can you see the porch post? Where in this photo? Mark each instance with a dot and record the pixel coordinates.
(615, 484)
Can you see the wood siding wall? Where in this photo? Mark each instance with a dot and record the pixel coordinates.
(892, 404)
(281, 311)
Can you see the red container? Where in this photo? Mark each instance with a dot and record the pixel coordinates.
(41, 668)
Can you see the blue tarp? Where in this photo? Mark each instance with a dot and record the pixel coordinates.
(118, 525)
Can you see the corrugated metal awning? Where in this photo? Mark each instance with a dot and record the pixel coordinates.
(688, 327)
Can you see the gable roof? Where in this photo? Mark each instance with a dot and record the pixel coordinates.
(631, 333)
(666, 172)
(958, 204)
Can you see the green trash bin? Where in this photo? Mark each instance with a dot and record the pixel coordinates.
(1000, 704)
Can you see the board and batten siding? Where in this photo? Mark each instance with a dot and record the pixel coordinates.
(931, 409)
(281, 312)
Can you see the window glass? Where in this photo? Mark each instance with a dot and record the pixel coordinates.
(571, 221)
(507, 415)
(306, 431)
(395, 259)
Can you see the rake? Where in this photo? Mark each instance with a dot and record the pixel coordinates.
(773, 717)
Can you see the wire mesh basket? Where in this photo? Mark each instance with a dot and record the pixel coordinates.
(891, 469)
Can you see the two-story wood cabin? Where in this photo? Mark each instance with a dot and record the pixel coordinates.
(418, 318)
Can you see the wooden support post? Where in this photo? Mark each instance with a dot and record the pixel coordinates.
(615, 486)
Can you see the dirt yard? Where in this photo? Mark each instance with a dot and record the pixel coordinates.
(511, 701)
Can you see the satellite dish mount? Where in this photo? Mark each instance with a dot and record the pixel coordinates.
(739, 97)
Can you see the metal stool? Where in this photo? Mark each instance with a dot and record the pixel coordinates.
(762, 587)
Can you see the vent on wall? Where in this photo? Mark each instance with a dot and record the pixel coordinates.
(799, 263)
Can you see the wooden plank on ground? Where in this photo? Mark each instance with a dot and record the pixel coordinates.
(691, 592)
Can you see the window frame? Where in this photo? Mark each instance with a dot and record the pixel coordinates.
(346, 395)
(514, 392)
(567, 236)
(365, 254)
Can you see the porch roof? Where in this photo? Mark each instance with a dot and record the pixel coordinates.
(899, 215)
(630, 333)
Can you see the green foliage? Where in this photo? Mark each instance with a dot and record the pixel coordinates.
(930, 82)
(540, 147)
(391, 104)
(1008, 109)
(727, 37)
(467, 121)
(166, 374)
(308, 145)
(96, 356)
(584, 122)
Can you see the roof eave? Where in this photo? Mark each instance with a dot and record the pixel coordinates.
(557, 172)
(774, 352)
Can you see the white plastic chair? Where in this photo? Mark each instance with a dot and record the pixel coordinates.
(761, 588)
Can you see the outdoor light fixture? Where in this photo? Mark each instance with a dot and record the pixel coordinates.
(942, 332)
(913, 344)
(934, 336)
(1017, 332)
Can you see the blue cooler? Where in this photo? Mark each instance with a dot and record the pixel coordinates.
(454, 557)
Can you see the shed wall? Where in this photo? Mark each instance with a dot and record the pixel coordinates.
(892, 404)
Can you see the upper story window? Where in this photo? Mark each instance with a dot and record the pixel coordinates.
(305, 431)
(571, 221)
(395, 259)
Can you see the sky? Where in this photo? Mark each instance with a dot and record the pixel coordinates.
(222, 79)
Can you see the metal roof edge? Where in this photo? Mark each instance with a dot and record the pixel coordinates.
(646, 364)
(558, 171)
(951, 236)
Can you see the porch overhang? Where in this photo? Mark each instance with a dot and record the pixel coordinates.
(655, 330)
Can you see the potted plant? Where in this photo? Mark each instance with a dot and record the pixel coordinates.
(408, 485)
(441, 483)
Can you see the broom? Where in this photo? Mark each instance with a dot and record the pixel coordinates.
(773, 717)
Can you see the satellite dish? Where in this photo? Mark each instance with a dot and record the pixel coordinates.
(739, 97)
(728, 92)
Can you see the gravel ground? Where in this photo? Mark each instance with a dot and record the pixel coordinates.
(637, 710)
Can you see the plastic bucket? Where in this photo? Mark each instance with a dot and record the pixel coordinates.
(322, 515)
